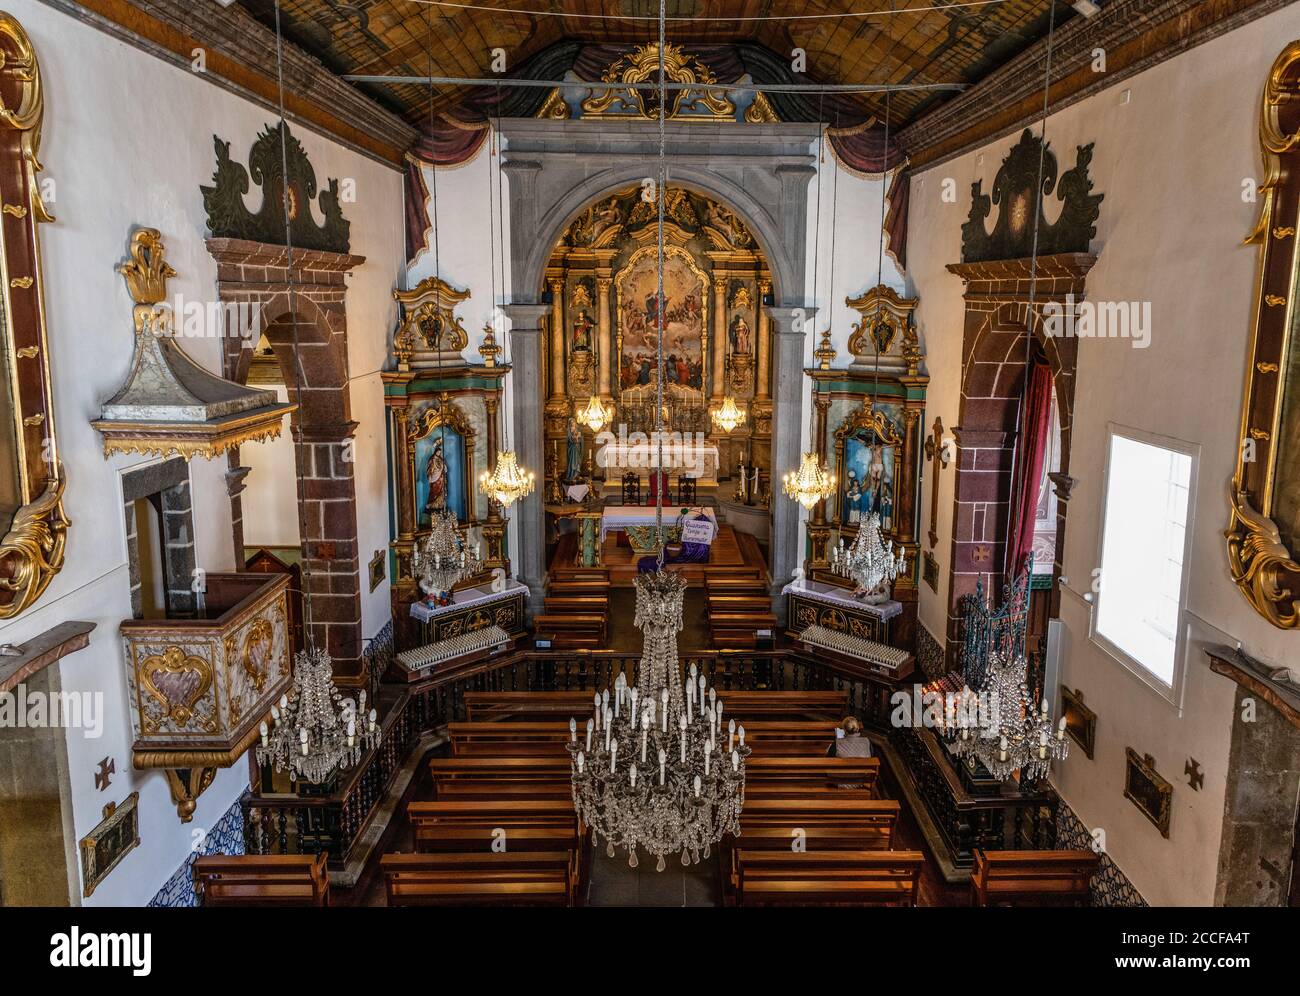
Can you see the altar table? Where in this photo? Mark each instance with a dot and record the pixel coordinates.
(619, 518)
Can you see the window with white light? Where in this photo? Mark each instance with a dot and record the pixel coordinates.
(1143, 572)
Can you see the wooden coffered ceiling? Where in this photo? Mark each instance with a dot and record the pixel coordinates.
(955, 44)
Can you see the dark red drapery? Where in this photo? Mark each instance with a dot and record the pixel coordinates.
(1031, 451)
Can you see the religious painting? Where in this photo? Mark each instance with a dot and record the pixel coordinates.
(1147, 790)
(103, 848)
(685, 331)
(442, 448)
(867, 445)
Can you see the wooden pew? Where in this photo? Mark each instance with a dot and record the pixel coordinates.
(1032, 878)
(579, 586)
(471, 838)
(739, 629)
(262, 880)
(548, 739)
(505, 813)
(572, 630)
(739, 603)
(581, 604)
(487, 706)
(827, 771)
(716, 584)
(537, 878)
(827, 878)
(837, 807)
(746, 706)
(741, 706)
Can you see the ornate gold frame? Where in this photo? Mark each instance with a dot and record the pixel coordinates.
(706, 304)
(450, 414)
(31, 550)
(875, 420)
(1267, 573)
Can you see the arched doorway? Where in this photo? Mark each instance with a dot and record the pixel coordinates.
(308, 338)
(555, 169)
(602, 338)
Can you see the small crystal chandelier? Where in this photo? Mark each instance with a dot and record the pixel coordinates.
(656, 770)
(507, 483)
(728, 416)
(993, 721)
(445, 560)
(316, 732)
(811, 483)
(870, 562)
(595, 416)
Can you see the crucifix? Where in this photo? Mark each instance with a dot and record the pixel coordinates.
(938, 453)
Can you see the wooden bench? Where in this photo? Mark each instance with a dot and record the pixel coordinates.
(745, 706)
(579, 586)
(536, 878)
(827, 771)
(470, 838)
(742, 706)
(487, 706)
(1032, 878)
(738, 603)
(739, 629)
(715, 584)
(827, 878)
(548, 739)
(262, 880)
(504, 813)
(835, 807)
(573, 630)
(580, 604)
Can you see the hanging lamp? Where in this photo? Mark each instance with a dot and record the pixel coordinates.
(595, 416)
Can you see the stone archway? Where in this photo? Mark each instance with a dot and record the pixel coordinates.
(555, 168)
(997, 316)
(307, 334)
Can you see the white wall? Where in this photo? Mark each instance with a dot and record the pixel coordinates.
(128, 141)
(1170, 162)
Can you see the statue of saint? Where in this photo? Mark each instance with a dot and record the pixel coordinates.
(740, 335)
(435, 472)
(582, 326)
(853, 500)
(572, 452)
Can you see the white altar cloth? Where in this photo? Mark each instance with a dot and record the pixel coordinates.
(615, 518)
(843, 597)
(423, 611)
(699, 460)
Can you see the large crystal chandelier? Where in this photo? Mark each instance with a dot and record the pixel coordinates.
(870, 562)
(507, 483)
(811, 483)
(315, 731)
(446, 558)
(992, 720)
(656, 769)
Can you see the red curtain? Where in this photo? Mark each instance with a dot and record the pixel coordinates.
(1031, 451)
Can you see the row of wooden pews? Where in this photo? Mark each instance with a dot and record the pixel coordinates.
(738, 608)
(576, 611)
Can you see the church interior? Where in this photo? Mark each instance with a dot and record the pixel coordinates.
(705, 387)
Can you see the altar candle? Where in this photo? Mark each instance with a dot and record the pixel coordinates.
(663, 760)
(591, 725)
(573, 730)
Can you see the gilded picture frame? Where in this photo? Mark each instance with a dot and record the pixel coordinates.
(1147, 790)
(103, 849)
(33, 526)
(1263, 535)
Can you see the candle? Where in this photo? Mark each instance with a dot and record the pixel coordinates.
(581, 761)
(573, 730)
(613, 755)
(707, 755)
(597, 710)
(591, 725)
(702, 684)
(644, 735)
(372, 720)
(697, 786)
(265, 734)
(663, 759)
(633, 711)
(731, 734)
(740, 732)
(717, 708)
(735, 760)
(1002, 750)
(632, 775)
(663, 699)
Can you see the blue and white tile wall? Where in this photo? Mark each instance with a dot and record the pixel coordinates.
(1110, 886)
(226, 837)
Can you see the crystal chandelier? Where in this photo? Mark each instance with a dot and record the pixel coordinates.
(656, 769)
(992, 720)
(595, 416)
(1000, 728)
(507, 483)
(445, 560)
(315, 731)
(870, 562)
(811, 483)
(728, 415)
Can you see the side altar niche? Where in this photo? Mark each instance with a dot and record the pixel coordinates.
(443, 434)
(867, 431)
(602, 332)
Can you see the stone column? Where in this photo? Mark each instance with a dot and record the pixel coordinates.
(787, 418)
(719, 337)
(764, 383)
(605, 342)
(526, 393)
(557, 336)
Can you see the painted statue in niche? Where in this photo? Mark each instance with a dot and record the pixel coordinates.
(440, 457)
(741, 335)
(582, 326)
(572, 452)
(683, 321)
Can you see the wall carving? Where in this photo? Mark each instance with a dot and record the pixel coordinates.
(224, 200)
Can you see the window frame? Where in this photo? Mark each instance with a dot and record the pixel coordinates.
(1172, 692)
